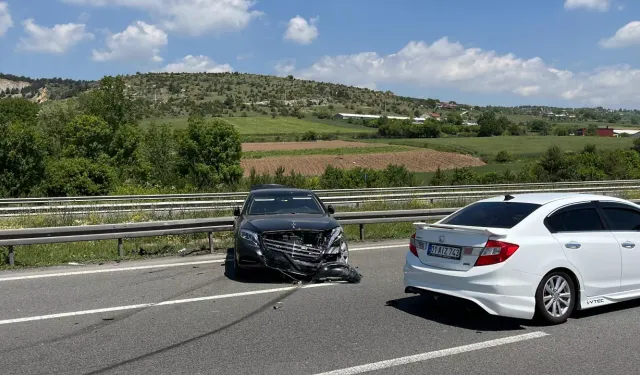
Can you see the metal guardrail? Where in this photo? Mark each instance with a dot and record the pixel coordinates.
(31, 236)
(229, 200)
(320, 193)
(50, 235)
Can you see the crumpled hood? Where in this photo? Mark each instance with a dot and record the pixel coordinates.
(290, 222)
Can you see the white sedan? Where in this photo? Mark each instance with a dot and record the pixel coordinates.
(545, 253)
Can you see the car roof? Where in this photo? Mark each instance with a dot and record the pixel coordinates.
(279, 191)
(546, 198)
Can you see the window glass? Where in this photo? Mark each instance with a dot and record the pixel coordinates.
(267, 204)
(580, 220)
(623, 219)
(492, 214)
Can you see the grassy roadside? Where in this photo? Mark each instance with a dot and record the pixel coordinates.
(326, 151)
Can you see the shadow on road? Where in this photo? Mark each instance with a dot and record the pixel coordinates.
(454, 313)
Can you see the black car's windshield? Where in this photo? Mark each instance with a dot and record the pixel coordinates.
(284, 204)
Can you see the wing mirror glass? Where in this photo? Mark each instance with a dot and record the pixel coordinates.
(236, 211)
(331, 210)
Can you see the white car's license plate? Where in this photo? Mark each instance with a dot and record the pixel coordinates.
(449, 252)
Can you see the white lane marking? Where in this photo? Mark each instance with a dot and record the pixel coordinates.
(435, 354)
(396, 246)
(154, 266)
(88, 272)
(165, 303)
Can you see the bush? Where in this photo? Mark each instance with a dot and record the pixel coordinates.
(310, 136)
(78, 177)
(503, 157)
(22, 159)
(209, 153)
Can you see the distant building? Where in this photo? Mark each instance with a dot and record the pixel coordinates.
(631, 133)
(448, 105)
(346, 116)
(600, 132)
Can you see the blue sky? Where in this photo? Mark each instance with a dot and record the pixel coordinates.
(500, 52)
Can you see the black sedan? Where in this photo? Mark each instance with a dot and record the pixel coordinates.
(287, 229)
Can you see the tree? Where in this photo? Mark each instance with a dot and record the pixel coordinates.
(160, 153)
(554, 164)
(86, 137)
(541, 127)
(18, 109)
(489, 126)
(21, 159)
(209, 153)
(125, 152)
(111, 102)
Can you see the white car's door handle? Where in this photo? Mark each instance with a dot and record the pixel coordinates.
(628, 245)
(572, 245)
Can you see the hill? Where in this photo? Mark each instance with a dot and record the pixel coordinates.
(235, 94)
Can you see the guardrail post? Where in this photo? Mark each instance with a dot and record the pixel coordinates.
(361, 232)
(120, 248)
(211, 242)
(11, 260)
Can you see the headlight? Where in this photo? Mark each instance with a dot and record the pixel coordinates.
(336, 235)
(249, 235)
(336, 245)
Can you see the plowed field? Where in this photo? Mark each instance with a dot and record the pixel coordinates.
(272, 146)
(424, 160)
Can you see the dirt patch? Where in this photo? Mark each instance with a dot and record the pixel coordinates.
(272, 146)
(313, 165)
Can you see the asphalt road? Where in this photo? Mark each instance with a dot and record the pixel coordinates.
(185, 316)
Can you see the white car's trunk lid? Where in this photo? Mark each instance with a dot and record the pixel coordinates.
(453, 247)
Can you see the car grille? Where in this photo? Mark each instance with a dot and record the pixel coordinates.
(293, 246)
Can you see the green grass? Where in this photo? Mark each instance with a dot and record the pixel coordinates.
(325, 151)
(423, 178)
(520, 147)
(279, 125)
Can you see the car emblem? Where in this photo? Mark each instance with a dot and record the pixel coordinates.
(293, 224)
(441, 239)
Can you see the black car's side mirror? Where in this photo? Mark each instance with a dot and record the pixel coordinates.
(331, 210)
(236, 211)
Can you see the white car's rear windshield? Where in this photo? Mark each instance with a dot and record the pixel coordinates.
(492, 214)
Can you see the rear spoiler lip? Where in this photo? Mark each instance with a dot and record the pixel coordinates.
(489, 232)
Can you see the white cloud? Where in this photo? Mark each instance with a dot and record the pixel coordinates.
(244, 56)
(599, 5)
(197, 64)
(626, 36)
(56, 40)
(301, 31)
(445, 64)
(6, 22)
(190, 17)
(285, 67)
(138, 42)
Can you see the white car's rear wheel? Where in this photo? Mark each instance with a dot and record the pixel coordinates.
(556, 297)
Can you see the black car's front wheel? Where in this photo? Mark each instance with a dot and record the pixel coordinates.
(239, 273)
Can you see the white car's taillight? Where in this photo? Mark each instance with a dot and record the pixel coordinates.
(496, 252)
(412, 245)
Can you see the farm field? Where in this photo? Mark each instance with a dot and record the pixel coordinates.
(520, 147)
(279, 125)
(422, 160)
(273, 146)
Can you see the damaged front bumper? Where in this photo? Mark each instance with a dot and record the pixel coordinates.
(323, 256)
